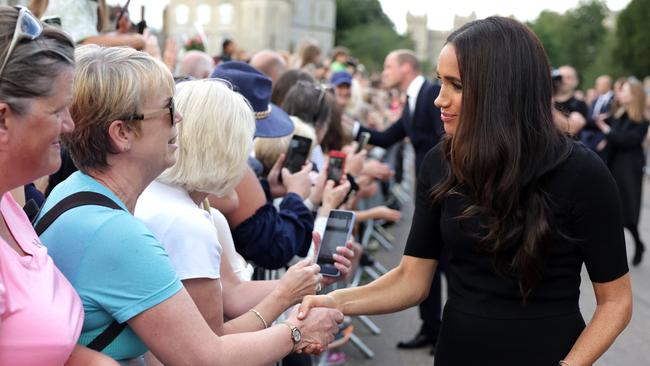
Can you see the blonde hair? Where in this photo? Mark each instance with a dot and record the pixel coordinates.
(110, 83)
(215, 138)
(268, 150)
(636, 110)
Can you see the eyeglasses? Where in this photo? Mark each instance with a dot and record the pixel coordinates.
(27, 26)
(171, 109)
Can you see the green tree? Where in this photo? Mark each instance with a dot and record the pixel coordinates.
(364, 28)
(578, 38)
(546, 27)
(633, 38)
(372, 42)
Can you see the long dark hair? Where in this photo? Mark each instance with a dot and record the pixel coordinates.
(505, 144)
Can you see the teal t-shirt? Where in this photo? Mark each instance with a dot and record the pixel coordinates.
(113, 261)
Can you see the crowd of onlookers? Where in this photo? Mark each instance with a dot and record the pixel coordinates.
(611, 119)
(156, 197)
(158, 186)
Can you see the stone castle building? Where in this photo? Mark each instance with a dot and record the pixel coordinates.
(254, 24)
(428, 43)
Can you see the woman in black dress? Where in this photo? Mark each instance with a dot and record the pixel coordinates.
(518, 208)
(624, 135)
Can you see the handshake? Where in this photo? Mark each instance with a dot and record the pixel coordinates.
(317, 330)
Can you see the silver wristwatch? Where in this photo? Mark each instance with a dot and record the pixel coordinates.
(296, 336)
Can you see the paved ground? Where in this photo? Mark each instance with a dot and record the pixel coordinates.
(631, 348)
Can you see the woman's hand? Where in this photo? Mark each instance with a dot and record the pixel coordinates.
(377, 169)
(354, 161)
(333, 196)
(299, 182)
(302, 279)
(342, 262)
(385, 213)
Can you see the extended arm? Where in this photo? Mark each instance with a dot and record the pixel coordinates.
(613, 313)
(387, 294)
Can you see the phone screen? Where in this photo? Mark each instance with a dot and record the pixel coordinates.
(335, 170)
(335, 235)
(297, 153)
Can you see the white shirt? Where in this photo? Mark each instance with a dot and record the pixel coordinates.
(601, 101)
(185, 230)
(413, 90)
(242, 269)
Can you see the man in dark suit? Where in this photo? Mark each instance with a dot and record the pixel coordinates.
(591, 135)
(420, 121)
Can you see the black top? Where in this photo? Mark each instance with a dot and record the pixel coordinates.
(573, 105)
(587, 209)
(625, 158)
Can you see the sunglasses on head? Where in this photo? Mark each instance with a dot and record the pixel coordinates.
(27, 27)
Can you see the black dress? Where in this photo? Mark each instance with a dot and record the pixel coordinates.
(485, 321)
(626, 162)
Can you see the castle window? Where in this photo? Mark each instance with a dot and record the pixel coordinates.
(204, 13)
(182, 14)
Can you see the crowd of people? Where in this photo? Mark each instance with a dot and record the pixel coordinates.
(145, 192)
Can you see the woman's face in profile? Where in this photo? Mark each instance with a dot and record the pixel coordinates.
(451, 92)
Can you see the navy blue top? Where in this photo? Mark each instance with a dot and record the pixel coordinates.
(271, 238)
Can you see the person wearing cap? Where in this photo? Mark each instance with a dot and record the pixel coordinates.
(268, 237)
(342, 83)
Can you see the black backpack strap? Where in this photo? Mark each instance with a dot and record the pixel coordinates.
(70, 202)
(107, 336)
(84, 198)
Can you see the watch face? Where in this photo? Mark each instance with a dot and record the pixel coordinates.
(295, 333)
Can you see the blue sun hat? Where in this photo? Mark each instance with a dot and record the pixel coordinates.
(270, 120)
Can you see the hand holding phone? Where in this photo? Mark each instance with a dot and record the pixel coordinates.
(363, 141)
(297, 153)
(336, 166)
(337, 231)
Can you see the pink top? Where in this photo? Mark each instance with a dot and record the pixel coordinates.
(40, 313)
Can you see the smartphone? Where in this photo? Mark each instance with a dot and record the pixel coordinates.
(297, 153)
(337, 231)
(336, 166)
(363, 141)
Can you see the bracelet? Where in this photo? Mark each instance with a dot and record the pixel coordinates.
(563, 363)
(257, 313)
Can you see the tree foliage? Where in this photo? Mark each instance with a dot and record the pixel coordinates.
(633, 38)
(577, 37)
(364, 28)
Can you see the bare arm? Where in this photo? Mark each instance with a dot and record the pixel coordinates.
(387, 294)
(82, 356)
(132, 40)
(251, 197)
(173, 328)
(613, 313)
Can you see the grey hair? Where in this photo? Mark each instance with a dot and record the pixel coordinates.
(33, 64)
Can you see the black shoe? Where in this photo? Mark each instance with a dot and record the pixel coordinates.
(638, 255)
(420, 340)
(432, 351)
